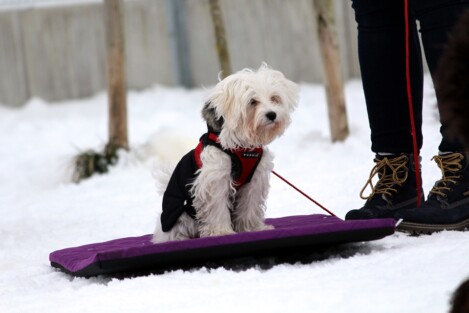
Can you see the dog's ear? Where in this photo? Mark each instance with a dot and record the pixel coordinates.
(291, 93)
(209, 114)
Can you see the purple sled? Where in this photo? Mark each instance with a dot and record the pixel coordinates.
(292, 234)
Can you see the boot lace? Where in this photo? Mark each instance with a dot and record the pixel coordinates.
(391, 172)
(449, 165)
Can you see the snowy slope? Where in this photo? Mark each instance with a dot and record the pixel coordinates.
(40, 211)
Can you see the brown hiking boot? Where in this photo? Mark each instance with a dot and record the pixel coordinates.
(394, 191)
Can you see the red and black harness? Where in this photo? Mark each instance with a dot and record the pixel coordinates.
(177, 198)
(243, 161)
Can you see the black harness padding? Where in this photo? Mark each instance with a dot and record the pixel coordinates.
(177, 198)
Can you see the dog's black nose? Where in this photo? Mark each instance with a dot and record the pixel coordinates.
(271, 116)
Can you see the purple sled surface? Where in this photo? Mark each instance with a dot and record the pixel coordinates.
(291, 233)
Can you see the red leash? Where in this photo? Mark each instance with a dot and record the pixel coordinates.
(308, 197)
(409, 100)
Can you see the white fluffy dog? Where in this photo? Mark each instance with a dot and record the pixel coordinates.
(220, 187)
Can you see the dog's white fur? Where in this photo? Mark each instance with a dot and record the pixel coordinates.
(243, 100)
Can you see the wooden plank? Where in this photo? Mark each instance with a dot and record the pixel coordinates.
(148, 44)
(13, 83)
(64, 51)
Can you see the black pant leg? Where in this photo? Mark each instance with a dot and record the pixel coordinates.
(381, 50)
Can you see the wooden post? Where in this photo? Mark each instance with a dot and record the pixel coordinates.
(220, 38)
(331, 62)
(117, 93)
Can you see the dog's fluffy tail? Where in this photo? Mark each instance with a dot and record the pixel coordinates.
(164, 149)
(166, 146)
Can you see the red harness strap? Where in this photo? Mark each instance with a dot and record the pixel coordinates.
(243, 161)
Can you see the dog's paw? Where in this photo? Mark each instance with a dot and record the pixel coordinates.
(263, 227)
(215, 231)
(259, 227)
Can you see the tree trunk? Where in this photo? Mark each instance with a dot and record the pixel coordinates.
(220, 38)
(331, 62)
(117, 93)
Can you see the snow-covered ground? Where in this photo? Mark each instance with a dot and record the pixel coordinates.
(41, 211)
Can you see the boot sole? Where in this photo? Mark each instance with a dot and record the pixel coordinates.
(418, 228)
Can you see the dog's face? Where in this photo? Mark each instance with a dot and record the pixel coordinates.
(251, 108)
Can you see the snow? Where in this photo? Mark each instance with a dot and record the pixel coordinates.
(41, 211)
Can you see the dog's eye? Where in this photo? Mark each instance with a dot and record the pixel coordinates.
(275, 99)
(253, 102)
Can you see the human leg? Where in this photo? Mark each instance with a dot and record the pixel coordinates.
(447, 206)
(381, 51)
(382, 56)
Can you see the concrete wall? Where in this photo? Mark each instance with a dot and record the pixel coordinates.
(58, 52)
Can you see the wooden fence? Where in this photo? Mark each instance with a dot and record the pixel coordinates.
(58, 52)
